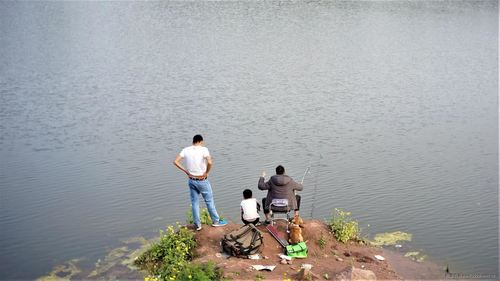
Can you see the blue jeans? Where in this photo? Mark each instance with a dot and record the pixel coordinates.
(205, 189)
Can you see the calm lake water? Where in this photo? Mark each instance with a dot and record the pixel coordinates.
(393, 105)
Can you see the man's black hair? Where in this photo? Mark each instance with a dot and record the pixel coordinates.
(247, 193)
(280, 170)
(197, 139)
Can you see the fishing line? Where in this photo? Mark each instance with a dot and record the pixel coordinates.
(315, 186)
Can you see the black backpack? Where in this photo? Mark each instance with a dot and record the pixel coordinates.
(243, 242)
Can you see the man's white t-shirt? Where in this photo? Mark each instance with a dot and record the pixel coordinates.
(196, 159)
(249, 207)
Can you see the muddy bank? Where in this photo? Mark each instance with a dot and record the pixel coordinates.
(327, 256)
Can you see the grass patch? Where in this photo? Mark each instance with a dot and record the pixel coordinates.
(204, 217)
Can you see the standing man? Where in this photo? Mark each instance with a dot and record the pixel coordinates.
(198, 164)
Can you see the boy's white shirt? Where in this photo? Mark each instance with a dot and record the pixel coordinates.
(249, 207)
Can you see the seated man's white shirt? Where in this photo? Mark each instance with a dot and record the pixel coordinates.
(196, 159)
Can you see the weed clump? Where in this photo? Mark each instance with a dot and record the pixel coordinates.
(170, 258)
(204, 217)
(344, 228)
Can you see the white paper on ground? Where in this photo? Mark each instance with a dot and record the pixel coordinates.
(263, 267)
(254, 257)
(284, 257)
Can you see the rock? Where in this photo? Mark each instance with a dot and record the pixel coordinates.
(355, 274)
(339, 259)
(306, 274)
(285, 257)
(306, 266)
(362, 274)
(283, 261)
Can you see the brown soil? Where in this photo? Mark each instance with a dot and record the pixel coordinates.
(330, 259)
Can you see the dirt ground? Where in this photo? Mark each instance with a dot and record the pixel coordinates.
(328, 260)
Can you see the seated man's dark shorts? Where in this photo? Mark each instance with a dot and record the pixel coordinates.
(254, 222)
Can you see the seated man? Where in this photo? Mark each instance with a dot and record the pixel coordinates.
(280, 186)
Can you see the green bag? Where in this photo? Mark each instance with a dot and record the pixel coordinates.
(298, 250)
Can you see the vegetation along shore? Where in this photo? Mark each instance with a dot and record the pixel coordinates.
(336, 251)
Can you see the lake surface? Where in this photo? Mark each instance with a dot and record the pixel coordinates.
(392, 105)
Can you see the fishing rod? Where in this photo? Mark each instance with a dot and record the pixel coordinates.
(302, 180)
(307, 170)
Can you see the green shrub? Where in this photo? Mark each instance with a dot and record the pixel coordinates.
(170, 255)
(170, 258)
(343, 227)
(204, 217)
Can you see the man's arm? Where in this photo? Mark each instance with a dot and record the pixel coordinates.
(298, 186)
(262, 185)
(209, 166)
(177, 163)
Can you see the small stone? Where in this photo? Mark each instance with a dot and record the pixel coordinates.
(326, 276)
(266, 257)
(289, 262)
(306, 266)
(340, 259)
(219, 255)
(283, 261)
